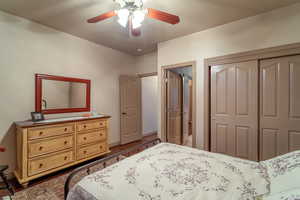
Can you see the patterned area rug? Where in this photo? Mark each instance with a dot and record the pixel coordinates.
(53, 189)
(49, 190)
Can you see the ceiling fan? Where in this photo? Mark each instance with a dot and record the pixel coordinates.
(131, 14)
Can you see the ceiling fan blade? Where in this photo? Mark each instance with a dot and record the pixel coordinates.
(163, 16)
(102, 17)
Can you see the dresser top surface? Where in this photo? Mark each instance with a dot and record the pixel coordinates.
(29, 123)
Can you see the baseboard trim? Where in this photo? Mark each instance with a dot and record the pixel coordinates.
(114, 144)
(150, 133)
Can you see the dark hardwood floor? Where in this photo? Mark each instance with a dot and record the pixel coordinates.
(17, 187)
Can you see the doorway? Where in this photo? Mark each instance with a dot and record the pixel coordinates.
(149, 103)
(178, 104)
(138, 106)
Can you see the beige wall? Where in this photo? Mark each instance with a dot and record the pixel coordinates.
(267, 30)
(149, 104)
(28, 48)
(146, 63)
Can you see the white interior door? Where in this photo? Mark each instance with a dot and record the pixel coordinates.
(234, 109)
(174, 108)
(130, 104)
(279, 106)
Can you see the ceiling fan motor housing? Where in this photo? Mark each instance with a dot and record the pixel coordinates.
(131, 5)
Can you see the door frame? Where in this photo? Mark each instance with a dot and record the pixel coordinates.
(164, 95)
(148, 74)
(259, 54)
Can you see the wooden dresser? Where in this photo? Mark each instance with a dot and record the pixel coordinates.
(43, 148)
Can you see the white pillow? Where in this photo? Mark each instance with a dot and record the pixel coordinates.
(283, 172)
(286, 195)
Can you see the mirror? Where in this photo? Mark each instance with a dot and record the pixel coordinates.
(63, 94)
(55, 94)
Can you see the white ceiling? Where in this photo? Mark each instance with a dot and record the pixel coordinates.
(70, 16)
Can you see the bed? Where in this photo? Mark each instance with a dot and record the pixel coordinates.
(168, 171)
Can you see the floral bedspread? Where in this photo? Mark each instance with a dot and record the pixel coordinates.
(172, 172)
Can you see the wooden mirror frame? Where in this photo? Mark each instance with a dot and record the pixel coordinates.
(38, 94)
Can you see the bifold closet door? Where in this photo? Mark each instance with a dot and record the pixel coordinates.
(280, 106)
(234, 109)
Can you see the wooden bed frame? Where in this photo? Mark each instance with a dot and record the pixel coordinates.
(128, 152)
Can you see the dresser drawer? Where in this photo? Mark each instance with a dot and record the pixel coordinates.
(36, 148)
(49, 162)
(90, 125)
(88, 151)
(90, 137)
(48, 131)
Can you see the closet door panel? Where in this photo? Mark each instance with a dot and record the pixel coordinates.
(222, 93)
(242, 91)
(242, 144)
(270, 90)
(294, 141)
(269, 143)
(234, 106)
(221, 137)
(280, 107)
(294, 108)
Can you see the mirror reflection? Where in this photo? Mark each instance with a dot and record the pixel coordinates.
(63, 94)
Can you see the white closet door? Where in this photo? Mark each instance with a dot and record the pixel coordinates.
(234, 109)
(279, 106)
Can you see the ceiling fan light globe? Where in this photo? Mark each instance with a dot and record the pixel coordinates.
(123, 13)
(138, 16)
(123, 22)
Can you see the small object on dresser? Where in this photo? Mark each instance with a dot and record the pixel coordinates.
(37, 116)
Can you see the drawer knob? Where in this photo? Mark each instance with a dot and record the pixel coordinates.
(41, 148)
(41, 133)
(84, 138)
(66, 142)
(84, 152)
(101, 124)
(101, 147)
(66, 129)
(101, 134)
(66, 157)
(41, 165)
(84, 126)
